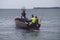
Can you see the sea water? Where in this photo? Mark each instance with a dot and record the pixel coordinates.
(49, 19)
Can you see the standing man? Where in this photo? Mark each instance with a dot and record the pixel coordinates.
(23, 16)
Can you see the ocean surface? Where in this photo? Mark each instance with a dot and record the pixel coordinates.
(50, 25)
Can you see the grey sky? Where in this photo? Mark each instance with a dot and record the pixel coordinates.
(28, 3)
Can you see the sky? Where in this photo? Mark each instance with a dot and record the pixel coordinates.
(17, 4)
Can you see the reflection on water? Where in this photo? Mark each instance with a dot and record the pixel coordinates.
(27, 34)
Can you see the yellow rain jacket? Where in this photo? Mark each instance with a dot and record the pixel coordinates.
(33, 20)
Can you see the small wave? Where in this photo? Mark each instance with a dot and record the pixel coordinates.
(7, 22)
(50, 23)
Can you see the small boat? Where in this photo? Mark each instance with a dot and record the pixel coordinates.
(23, 25)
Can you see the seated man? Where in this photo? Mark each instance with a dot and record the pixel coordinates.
(37, 20)
(33, 21)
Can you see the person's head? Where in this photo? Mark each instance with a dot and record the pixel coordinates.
(32, 15)
(35, 16)
(23, 13)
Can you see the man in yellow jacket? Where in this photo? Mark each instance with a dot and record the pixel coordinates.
(33, 21)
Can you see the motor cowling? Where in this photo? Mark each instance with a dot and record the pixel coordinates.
(17, 18)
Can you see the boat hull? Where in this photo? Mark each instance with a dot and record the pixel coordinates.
(23, 25)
